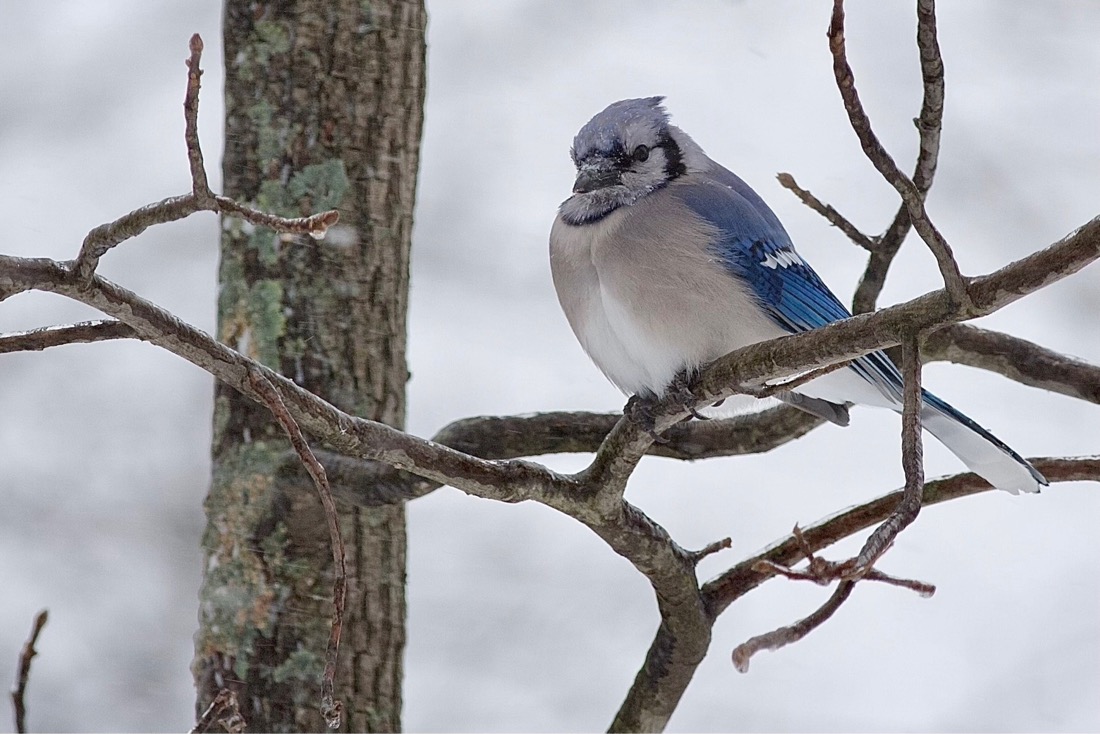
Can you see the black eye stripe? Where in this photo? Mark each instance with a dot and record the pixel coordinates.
(674, 163)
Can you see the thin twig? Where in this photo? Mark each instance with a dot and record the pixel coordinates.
(331, 708)
(930, 122)
(223, 710)
(836, 570)
(792, 633)
(743, 577)
(35, 340)
(710, 549)
(835, 218)
(103, 238)
(912, 460)
(912, 196)
(861, 567)
(315, 225)
(18, 693)
(199, 185)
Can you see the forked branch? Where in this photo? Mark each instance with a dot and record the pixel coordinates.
(910, 194)
(107, 236)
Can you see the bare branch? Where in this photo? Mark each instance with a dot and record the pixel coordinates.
(625, 444)
(929, 125)
(23, 676)
(912, 460)
(35, 340)
(742, 578)
(107, 236)
(315, 225)
(200, 188)
(1016, 359)
(505, 437)
(223, 710)
(794, 632)
(930, 122)
(103, 238)
(331, 708)
(862, 566)
(710, 549)
(833, 570)
(877, 154)
(658, 686)
(835, 218)
(368, 483)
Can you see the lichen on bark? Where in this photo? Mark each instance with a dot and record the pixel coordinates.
(323, 109)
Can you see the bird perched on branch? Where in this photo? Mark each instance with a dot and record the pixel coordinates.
(663, 261)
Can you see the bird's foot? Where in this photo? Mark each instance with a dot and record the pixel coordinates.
(680, 389)
(642, 409)
(639, 409)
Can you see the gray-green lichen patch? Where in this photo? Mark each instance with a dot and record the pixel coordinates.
(239, 600)
(269, 38)
(301, 665)
(324, 184)
(268, 140)
(265, 314)
(221, 418)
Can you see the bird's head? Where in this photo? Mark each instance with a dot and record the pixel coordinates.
(622, 154)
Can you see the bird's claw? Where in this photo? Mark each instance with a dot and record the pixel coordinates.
(640, 411)
(680, 389)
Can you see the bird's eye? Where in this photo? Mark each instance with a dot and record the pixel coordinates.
(641, 153)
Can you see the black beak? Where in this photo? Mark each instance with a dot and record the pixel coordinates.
(590, 179)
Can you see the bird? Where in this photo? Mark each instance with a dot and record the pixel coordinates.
(663, 261)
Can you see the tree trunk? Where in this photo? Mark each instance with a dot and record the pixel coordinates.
(324, 107)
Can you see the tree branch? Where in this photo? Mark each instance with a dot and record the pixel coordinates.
(742, 578)
(35, 340)
(929, 125)
(331, 708)
(657, 688)
(224, 710)
(505, 437)
(912, 460)
(1016, 359)
(862, 567)
(877, 154)
(794, 632)
(368, 483)
(23, 676)
(107, 236)
(834, 217)
(626, 443)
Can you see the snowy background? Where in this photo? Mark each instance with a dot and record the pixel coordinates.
(520, 619)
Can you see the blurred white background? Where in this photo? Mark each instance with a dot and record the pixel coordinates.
(520, 619)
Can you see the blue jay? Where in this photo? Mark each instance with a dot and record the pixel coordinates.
(664, 261)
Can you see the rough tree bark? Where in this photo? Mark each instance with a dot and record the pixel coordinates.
(324, 108)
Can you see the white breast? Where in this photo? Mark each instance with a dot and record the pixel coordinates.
(645, 298)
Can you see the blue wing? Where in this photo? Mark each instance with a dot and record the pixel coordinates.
(755, 248)
(752, 245)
